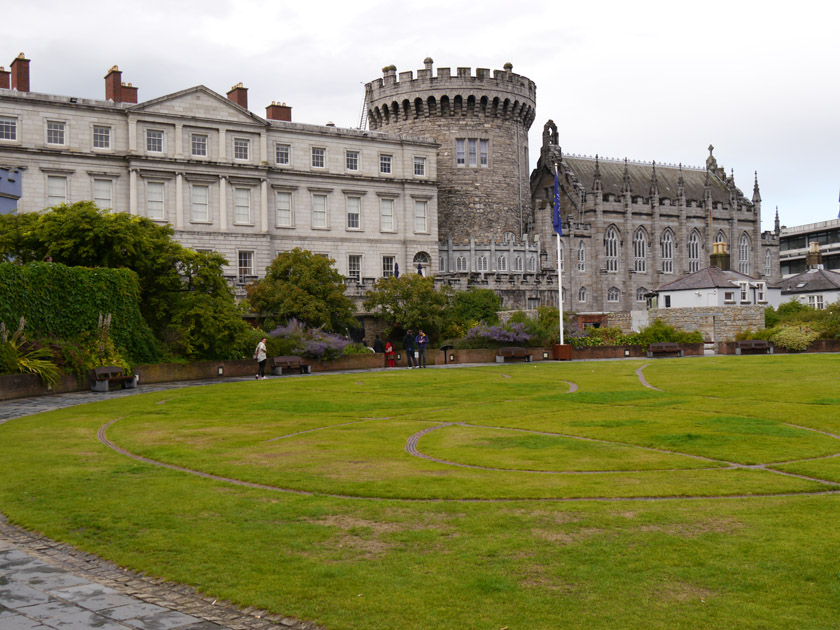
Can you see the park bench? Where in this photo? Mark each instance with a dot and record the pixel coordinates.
(513, 353)
(278, 364)
(754, 346)
(664, 348)
(106, 375)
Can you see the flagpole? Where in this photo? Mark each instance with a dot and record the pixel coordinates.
(559, 267)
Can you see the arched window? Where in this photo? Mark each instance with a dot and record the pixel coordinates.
(582, 294)
(720, 237)
(694, 252)
(667, 252)
(640, 251)
(442, 263)
(744, 254)
(461, 263)
(641, 294)
(613, 294)
(581, 264)
(611, 248)
(768, 263)
(501, 263)
(564, 298)
(517, 263)
(482, 263)
(562, 256)
(532, 263)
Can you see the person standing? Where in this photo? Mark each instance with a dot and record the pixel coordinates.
(378, 346)
(408, 346)
(259, 357)
(421, 341)
(389, 353)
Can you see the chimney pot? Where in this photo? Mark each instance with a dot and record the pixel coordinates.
(20, 73)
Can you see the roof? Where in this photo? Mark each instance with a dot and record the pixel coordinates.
(708, 278)
(811, 281)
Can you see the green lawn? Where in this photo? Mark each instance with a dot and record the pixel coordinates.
(714, 503)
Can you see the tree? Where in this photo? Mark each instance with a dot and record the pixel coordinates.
(476, 305)
(303, 286)
(410, 301)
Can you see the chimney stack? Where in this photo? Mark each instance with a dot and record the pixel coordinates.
(813, 259)
(20, 73)
(5, 77)
(720, 256)
(117, 91)
(239, 95)
(279, 111)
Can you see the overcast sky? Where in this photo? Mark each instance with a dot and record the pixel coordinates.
(647, 80)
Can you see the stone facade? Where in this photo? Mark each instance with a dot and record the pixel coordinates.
(480, 122)
(717, 323)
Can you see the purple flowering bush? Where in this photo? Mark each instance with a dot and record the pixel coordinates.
(484, 336)
(295, 339)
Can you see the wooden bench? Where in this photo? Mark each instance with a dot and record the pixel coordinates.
(513, 353)
(754, 346)
(667, 348)
(278, 364)
(104, 376)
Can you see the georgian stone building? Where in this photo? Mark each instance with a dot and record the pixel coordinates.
(225, 178)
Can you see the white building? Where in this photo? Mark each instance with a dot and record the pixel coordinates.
(225, 178)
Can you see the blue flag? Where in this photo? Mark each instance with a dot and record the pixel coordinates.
(838, 199)
(558, 226)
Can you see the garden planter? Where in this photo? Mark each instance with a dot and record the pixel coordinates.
(562, 352)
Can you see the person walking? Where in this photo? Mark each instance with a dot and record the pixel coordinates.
(389, 353)
(408, 346)
(259, 357)
(421, 341)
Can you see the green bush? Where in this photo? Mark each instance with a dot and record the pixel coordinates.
(793, 337)
(19, 357)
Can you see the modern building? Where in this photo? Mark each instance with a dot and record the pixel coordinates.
(224, 178)
(817, 286)
(795, 244)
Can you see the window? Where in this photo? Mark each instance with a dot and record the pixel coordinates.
(461, 263)
(284, 209)
(611, 249)
(386, 215)
(533, 303)
(55, 132)
(744, 254)
(354, 213)
(693, 253)
(319, 211)
(816, 301)
(198, 144)
(354, 267)
(471, 152)
(613, 294)
(745, 296)
(8, 128)
(729, 296)
(420, 166)
(667, 252)
(385, 164)
(641, 294)
(351, 159)
(282, 154)
(242, 205)
(667, 301)
(768, 263)
(246, 265)
(154, 200)
(420, 216)
(640, 251)
(387, 266)
(442, 263)
(482, 263)
(241, 148)
(761, 295)
(56, 190)
(319, 157)
(200, 199)
(501, 263)
(532, 263)
(517, 263)
(154, 141)
(102, 193)
(582, 294)
(101, 137)
(581, 262)
(562, 256)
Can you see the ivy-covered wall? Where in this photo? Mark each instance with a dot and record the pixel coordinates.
(65, 302)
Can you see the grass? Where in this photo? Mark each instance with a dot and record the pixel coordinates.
(614, 506)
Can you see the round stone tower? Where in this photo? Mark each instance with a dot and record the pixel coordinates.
(481, 122)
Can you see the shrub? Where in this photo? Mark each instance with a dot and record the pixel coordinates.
(483, 336)
(794, 338)
(19, 357)
(296, 339)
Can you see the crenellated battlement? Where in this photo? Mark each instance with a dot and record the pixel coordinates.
(498, 94)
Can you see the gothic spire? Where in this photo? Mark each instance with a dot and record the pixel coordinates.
(756, 195)
(596, 183)
(777, 229)
(654, 186)
(626, 187)
(681, 184)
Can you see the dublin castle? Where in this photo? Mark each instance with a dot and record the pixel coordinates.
(436, 179)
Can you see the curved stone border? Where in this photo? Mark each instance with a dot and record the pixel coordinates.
(643, 380)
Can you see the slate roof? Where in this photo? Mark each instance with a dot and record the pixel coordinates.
(708, 278)
(667, 179)
(811, 281)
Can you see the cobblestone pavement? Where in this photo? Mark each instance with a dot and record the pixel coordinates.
(49, 585)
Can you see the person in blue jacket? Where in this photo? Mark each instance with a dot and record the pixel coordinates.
(421, 341)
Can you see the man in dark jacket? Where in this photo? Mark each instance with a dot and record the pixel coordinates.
(408, 346)
(420, 342)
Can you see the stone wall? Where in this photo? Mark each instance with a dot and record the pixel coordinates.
(717, 323)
